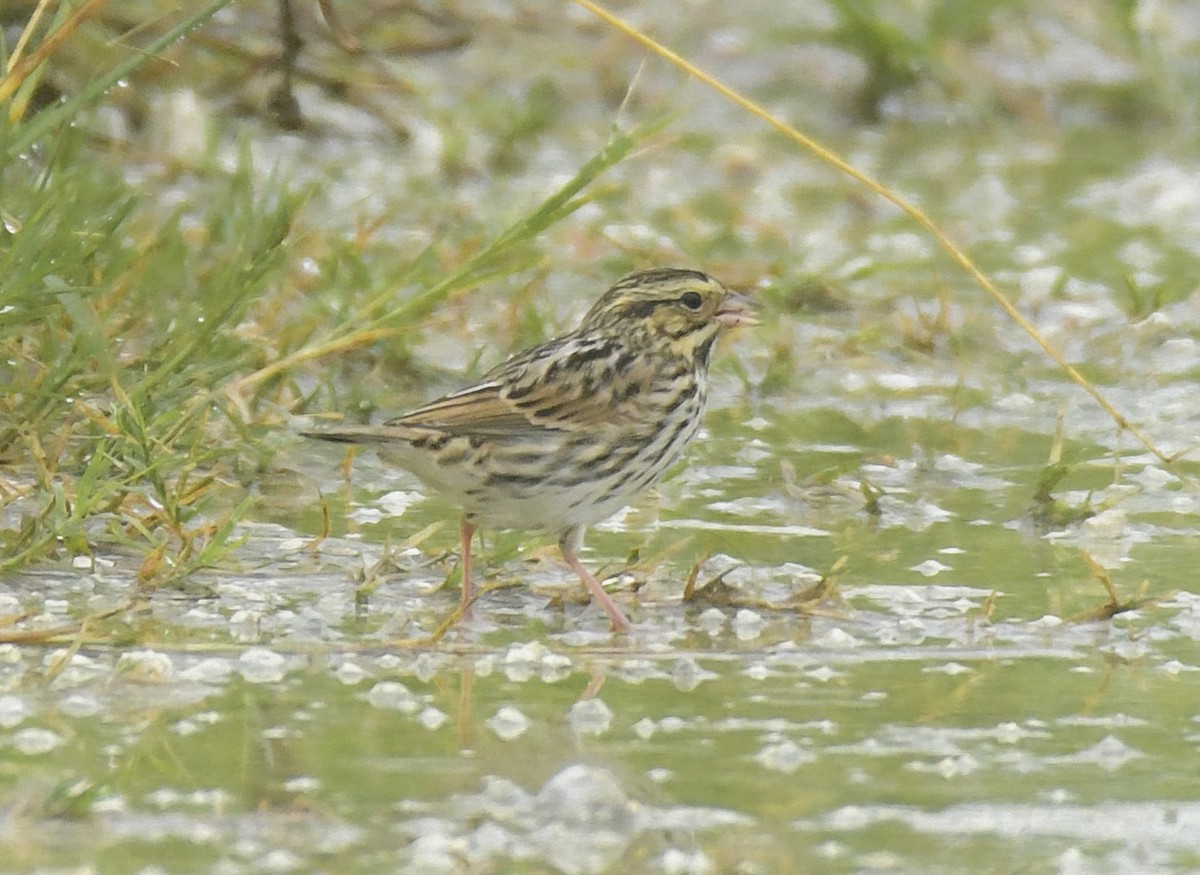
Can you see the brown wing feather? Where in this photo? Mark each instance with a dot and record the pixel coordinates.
(542, 388)
(479, 409)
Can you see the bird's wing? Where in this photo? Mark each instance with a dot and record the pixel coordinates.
(555, 386)
(479, 409)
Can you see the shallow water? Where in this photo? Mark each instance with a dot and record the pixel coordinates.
(958, 698)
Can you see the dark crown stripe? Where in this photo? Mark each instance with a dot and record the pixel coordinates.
(662, 275)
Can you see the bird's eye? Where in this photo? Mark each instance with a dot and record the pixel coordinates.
(691, 300)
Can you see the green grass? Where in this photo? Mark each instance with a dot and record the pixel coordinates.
(119, 330)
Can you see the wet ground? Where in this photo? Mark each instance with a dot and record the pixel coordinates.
(895, 657)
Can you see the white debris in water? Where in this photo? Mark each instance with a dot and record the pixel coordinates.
(824, 674)
(930, 568)
(261, 666)
(1110, 753)
(521, 661)
(186, 727)
(1140, 255)
(903, 246)
(590, 717)
(148, 666)
(366, 515)
(302, 784)
(245, 625)
(949, 668)
(954, 767)
(838, 638)
(350, 673)
(645, 728)
(712, 621)
(1010, 733)
(79, 667)
(555, 667)
(1048, 621)
(508, 723)
(34, 741)
(212, 670)
(426, 666)
(676, 862)
(431, 718)
(581, 821)
(747, 625)
(524, 661)
(989, 201)
(485, 665)
(636, 671)
(1129, 649)
(672, 723)
(178, 126)
(436, 852)
(393, 696)
(1108, 523)
(687, 674)
(279, 860)
(1161, 192)
(77, 705)
(758, 671)
(896, 382)
(13, 709)
(586, 795)
(1174, 666)
(1177, 356)
(783, 756)
(397, 502)
(489, 840)
(1040, 282)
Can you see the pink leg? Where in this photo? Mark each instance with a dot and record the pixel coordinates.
(466, 530)
(570, 545)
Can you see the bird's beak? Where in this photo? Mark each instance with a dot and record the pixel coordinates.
(734, 310)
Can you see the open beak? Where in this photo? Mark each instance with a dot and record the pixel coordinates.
(734, 310)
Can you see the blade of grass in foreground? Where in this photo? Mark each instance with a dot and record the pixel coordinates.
(497, 258)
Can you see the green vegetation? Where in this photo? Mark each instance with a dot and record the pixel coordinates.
(120, 329)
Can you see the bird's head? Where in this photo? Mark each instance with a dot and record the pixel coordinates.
(680, 309)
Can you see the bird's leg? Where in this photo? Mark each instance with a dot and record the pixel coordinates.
(466, 530)
(569, 545)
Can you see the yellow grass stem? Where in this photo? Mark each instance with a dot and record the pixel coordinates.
(22, 69)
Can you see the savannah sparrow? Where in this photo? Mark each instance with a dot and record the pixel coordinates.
(567, 433)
